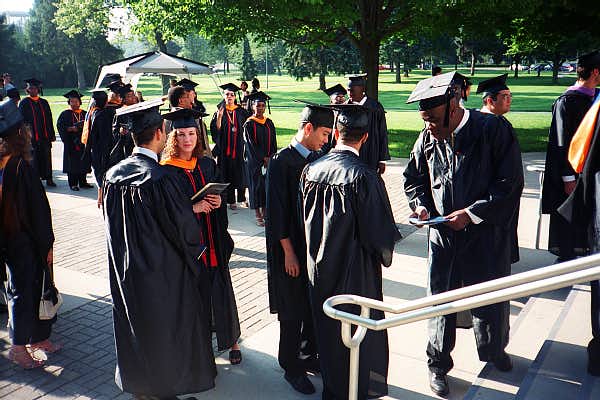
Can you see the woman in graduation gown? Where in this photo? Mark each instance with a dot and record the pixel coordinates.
(26, 229)
(259, 144)
(70, 127)
(183, 156)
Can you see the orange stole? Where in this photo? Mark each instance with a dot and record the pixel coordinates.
(580, 144)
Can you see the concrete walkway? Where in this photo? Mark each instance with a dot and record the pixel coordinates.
(84, 369)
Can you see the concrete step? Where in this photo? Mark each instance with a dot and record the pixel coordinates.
(559, 369)
(528, 333)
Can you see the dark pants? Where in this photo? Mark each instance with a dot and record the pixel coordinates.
(565, 239)
(291, 335)
(77, 179)
(594, 345)
(23, 289)
(42, 159)
(233, 173)
(231, 195)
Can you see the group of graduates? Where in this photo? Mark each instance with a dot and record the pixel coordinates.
(328, 220)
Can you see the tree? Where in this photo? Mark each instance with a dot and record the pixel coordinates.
(315, 23)
(247, 66)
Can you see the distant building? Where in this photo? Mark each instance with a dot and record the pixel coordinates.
(16, 18)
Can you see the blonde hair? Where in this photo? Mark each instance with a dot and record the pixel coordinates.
(172, 151)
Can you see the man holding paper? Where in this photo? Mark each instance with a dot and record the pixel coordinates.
(465, 166)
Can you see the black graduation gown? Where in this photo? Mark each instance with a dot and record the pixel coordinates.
(259, 142)
(288, 296)
(74, 159)
(26, 225)
(229, 146)
(214, 235)
(350, 234)
(483, 173)
(376, 147)
(99, 142)
(161, 319)
(567, 112)
(38, 116)
(122, 143)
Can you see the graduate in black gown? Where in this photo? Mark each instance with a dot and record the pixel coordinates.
(465, 165)
(350, 234)
(226, 129)
(260, 143)
(183, 156)
(375, 151)
(38, 116)
(161, 319)
(122, 143)
(564, 239)
(286, 246)
(28, 239)
(337, 94)
(76, 164)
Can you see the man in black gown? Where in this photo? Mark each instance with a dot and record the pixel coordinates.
(286, 245)
(465, 165)
(350, 233)
(161, 319)
(375, 151)
(566, 240)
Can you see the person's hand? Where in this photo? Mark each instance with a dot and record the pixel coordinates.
(420, 213)
(214, 200)
(202, 206)
(569, 187)
(292, 266)
(381, 168)
(99, 197)
(265, 161)
(458, 220)
(50, 257)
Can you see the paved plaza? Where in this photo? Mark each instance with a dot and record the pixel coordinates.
(84, 369)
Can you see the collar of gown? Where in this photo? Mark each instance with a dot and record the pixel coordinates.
(146, 152)
(343, 147)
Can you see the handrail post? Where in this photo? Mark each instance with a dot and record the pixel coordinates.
(353, 343)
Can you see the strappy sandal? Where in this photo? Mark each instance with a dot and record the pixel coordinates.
(260, 221)
(23, 359)
(235, 357)
(46, 346)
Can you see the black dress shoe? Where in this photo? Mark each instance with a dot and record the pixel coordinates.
(503, 362)
(50, 183)
(75, 188)
(438, 384)
(300, 383)
(85, 185)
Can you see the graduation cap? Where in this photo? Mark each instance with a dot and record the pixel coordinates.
(73, 94)
(187, 84)
(142, 116)
(13, 93)
(357, 80)
(335, 90)
(259, 97)
(316, 114)
(351, 116)
(492, 86)
(123, 90)
(183, 117)
(589, 60)
(33, 82)
(437, 90)
(114, 85)
(232, 87)
(10, 116)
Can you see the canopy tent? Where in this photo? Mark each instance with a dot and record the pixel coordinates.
(155, 62)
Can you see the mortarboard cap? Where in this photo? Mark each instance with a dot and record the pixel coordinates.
(123, 90)
(258, 96)
(73, 94)
(142, 116)
(492, 86)
(316, 114)
(10, 116)
(352, 116)
(230, 86)
(437, 90)
(335, 90)
(13, 93)
(357, 80)
(114, 85)
(187, 84)
(183, 117)
(33, 82)
(589, 60)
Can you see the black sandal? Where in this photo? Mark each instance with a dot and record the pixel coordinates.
(235, 357)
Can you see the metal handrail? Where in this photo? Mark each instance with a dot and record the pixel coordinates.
(495, 291)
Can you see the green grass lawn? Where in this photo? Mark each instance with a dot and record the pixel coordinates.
(530, 111)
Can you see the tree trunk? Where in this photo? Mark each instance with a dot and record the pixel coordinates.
(517, 60)
(81, 84)
(556, 63)
(473, 63)
(369, 54)
(162, 46)
(322, 83)
(398, 72)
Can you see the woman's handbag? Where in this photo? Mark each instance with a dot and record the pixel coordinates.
(51, 300)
